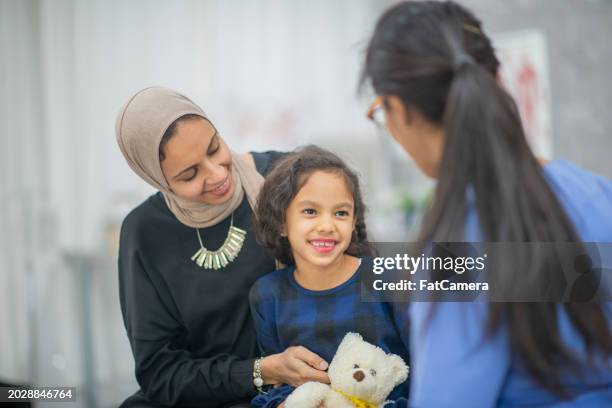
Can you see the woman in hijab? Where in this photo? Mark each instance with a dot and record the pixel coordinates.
(187, 259)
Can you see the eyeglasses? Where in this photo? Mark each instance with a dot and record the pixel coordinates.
(376, 113)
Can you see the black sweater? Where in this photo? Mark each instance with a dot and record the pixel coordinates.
(190, 329)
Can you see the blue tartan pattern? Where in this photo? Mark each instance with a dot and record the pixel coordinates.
(286, 314)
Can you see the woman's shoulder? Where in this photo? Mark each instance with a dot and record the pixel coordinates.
(147, 216)
(586, 196)
(570, 177)
(143, 210)
(264, 161)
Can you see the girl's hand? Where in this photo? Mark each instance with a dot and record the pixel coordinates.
(294, 366)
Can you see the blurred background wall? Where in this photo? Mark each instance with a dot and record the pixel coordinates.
(271, 74)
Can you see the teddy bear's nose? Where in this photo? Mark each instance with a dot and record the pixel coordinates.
(359, 375)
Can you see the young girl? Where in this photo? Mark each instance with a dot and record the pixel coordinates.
(310, 215)
(434, 71)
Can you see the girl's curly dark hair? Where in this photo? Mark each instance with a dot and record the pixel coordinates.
(285, 181)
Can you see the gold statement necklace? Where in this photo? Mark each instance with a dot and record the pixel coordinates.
(226, 253)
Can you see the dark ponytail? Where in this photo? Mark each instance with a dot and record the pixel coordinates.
(435, 58)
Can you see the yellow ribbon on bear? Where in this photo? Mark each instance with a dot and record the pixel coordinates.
(357, 402)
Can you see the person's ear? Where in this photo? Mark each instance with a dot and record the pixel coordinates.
(395, 106)
(283, 232)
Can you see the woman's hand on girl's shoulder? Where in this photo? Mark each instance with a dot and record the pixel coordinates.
(294, 366)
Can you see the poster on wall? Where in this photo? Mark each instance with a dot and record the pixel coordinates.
(524, 72)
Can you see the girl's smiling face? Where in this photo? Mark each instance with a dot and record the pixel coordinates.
(320, 220)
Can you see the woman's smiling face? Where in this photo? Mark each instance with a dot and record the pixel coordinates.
(320, 219)
(197, 164)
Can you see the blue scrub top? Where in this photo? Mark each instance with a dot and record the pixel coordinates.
(452, 366)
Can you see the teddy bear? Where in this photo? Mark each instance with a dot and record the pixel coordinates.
(361, 375)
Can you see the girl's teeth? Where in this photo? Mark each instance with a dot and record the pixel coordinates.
(220, 187)
(323, 244)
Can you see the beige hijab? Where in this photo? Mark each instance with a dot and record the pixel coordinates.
(142, 122)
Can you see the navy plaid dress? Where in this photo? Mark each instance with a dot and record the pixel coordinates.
(286, 314)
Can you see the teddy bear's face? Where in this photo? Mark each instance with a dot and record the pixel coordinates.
(365, 371)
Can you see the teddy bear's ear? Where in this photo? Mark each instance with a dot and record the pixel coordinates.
(348, 340)
(399, 369)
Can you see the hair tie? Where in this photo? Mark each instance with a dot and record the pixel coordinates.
(461, 60)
